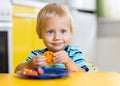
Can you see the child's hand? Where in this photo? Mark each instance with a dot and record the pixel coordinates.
(61, 57)
(39, 61)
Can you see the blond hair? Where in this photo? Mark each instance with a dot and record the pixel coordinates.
(49, 11)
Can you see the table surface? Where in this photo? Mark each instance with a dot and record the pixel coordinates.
(75, 79)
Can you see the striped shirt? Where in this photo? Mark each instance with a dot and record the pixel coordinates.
(73, 52)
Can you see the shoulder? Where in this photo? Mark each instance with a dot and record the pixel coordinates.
(72, 48)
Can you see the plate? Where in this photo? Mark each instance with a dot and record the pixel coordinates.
(49, 73)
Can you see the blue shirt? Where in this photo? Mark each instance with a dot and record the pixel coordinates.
(73, 52)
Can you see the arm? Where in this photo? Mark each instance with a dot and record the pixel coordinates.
(29, 62)
(29, 65)
(76, 57)
(35, 62)
(72, 66)
(62, 57)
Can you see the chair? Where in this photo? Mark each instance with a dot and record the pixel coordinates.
(91, 66)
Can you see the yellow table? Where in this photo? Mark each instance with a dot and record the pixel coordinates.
(75, 79)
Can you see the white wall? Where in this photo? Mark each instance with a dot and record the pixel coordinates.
(85, 25)
(84, 34)
(108, 45)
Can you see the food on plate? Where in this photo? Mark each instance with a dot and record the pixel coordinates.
(25, 71)
(32, 72)
(49, 56)
(44, 73)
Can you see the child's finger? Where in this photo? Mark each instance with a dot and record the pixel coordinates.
(40, 57)
(57, 59)
(41, 63)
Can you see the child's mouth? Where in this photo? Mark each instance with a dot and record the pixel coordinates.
(56, 44)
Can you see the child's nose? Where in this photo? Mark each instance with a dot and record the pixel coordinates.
(57, 36)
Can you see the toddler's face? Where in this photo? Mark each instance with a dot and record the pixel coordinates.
(56, 35)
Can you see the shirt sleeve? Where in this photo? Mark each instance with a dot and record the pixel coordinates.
(76, 55)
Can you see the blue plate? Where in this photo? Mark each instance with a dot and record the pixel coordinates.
(50, 73)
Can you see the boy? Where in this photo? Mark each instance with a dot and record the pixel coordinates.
(54, 26)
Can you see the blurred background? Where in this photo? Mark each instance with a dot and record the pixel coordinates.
(96, 31)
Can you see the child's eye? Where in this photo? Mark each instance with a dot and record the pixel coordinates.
(50, 32)
(63, 31)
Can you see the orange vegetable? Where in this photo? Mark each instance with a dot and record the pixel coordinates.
(29, 72)
(35, 73)
(24, 71)
(49, 56)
